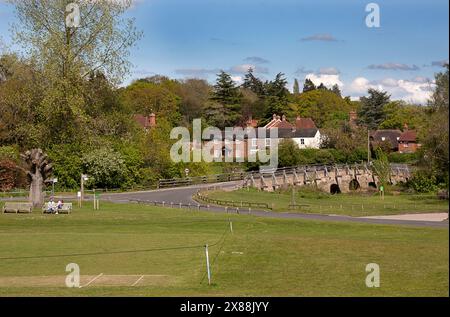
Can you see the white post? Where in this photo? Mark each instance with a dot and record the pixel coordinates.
(207, 265)
(231, 226)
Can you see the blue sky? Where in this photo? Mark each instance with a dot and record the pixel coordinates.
(327, 41)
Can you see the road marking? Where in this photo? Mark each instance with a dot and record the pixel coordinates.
(95, 278)
(140, 279)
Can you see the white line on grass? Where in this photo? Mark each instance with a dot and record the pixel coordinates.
(140, 279)
(98, 276)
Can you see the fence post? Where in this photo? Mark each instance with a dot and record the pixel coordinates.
(207, 264)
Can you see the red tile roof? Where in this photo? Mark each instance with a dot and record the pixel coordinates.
(408, 136)
(305, 123)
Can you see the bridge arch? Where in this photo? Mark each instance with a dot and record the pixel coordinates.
(354, 185)
(334, 189)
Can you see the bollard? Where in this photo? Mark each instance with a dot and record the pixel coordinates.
(249, 210)
(226, 209)
(180, 205)
(164, 203)
(198, 206)
(237, 210)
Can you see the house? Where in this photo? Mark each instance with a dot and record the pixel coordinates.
(389, 136)
(407, 142)
(303, 132)
(145, 122)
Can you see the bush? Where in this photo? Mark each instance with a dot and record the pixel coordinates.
(403, 157)
(107, 169)
(67, 165)
(423, 183)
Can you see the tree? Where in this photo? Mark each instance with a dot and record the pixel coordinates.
(296, 87)
(322, 87)
(144, 98)
(107, 168)
(335, 89)
(435, 150)
(326, 108)
(225, 90)
(253, 83)
(439, 99)
(382, 167)
(64, 58)
(372, 113)
(276, 100)
(39, 170)
(308, 85)
(101, 42)
(194, 94)
(226, 100)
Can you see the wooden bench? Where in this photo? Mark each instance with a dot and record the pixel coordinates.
(66, 208)
(10, 207)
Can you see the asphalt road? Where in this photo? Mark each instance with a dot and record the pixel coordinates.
(184, 195)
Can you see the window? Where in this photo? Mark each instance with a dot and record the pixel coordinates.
(268, 142)
(383, 138)
(302, 141)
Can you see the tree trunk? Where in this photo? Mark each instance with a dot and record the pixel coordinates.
(36, 190)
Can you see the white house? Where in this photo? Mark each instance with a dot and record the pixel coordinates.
(303, 132)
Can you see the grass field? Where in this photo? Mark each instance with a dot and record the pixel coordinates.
(357, 205)
(160, 252)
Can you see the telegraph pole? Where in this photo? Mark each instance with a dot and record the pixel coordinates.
(368, 146)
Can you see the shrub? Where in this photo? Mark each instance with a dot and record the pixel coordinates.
(423, 183)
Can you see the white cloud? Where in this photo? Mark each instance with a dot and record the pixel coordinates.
(416, 90)
(327, 79)
(237, 79)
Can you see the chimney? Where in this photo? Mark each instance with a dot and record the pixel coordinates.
(152, 120)
(284, 118)
(274, 117)
(405, 127)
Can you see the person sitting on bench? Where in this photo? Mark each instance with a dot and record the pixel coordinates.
(51, 207)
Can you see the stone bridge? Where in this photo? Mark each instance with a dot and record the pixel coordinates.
(331, 179)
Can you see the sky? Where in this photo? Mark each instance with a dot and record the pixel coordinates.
(325, 40)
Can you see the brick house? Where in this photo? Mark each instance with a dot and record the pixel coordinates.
(407, 142)
(145, 122)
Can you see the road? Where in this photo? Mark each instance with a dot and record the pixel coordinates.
(184, 195)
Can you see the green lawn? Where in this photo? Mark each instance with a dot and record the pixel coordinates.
(360, 204)
(262, 257)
